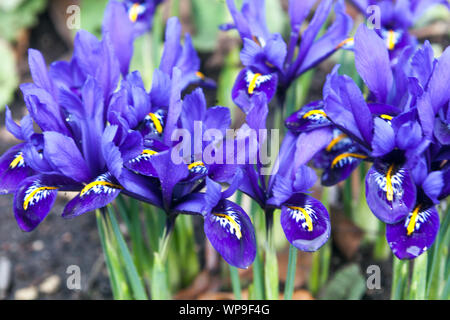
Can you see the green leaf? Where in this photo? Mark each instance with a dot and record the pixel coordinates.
(347, 284)
(436, 13)
(92, 15)
(21, 15)
(133, 276)
(271, 276)
(419, 278)
(276, 19)
(10, 5)
(9, 79)
(208, 15)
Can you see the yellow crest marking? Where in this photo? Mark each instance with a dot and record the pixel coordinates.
(98, 183)
(335, 141)
(391, 39)
(235, 225)
(27, 200)
(195, 164)
(386, 117)
(252, 85)
(149, 152)
(346, 155)
(306, 215)
(389, 189)
(134, 12)
(156, 122)
(200, 75)
(348, 40)
(312, 112)
(412, 222)
(16, 161)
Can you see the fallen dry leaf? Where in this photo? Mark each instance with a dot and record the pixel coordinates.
(201, 284)
(346, 234)
(216, 296)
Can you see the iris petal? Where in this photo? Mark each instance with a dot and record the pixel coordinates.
(390, 192)
(142, 163)
(339, 160)
(305, 222)
(231, 233)
(33, 200)
(309, 117)
(411, 237)
(13, 169)
(94, 195)
(249, 83)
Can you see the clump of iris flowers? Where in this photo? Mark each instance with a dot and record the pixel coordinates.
(395, 19)
(395, 128)
(271, 64)
(99, 141)
(93, 129)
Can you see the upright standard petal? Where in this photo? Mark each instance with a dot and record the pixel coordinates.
(39, 73)
(118, 26)
(169, 174)
(231, 233)
(332, 40)
(372, 62)
(65, 156)
(172, 46)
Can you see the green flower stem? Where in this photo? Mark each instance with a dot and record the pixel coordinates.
(399, 279)
(418, 286)
(155, 223)
(271, 263)
(439, 265)
(348, 198)
(325, 251)
(257, 267)
(290, 277)
(258, 278)
(321, 259)
(119, 283)
(129, 212)
(183, 260)
(133, 276)
(314, 277)
(159, 280)
(235, 282)
(325, 257)
(381, 248)
(136, 234)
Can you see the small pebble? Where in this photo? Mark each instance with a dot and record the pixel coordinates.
(67, 237)
(37, 245)
(5, 276)
(28, 293)
(50, 285)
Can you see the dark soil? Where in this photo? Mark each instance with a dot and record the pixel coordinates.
(57, 243)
